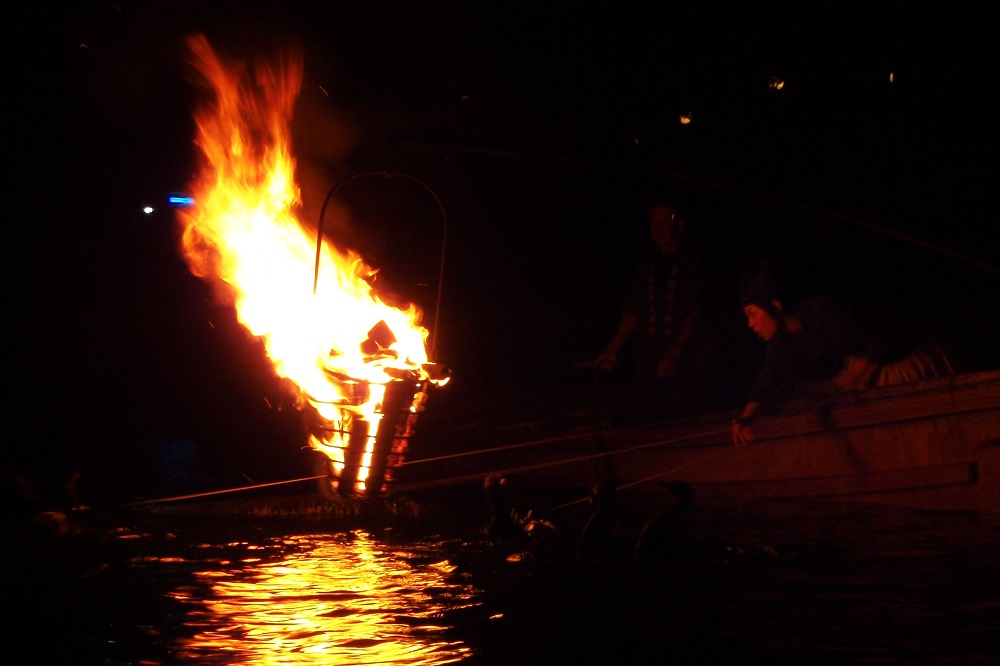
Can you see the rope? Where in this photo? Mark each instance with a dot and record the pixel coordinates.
(647, 479)
(507, 447)
(450, 480)
(454, 480)
(471, 477)
(551, 440)
(672, 470)
(222, 492)
(438, 483)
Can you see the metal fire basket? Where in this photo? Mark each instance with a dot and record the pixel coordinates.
(371, 463)
(405, 397)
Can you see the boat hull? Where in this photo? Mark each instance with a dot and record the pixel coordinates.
(930, 445)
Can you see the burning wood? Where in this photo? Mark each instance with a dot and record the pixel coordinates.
(353, 358)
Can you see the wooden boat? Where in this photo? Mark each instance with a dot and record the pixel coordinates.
(933, 444)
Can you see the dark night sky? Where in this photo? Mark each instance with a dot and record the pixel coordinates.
(539, 129)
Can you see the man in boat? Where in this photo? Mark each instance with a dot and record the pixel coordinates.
(661, 316)
(815, 350)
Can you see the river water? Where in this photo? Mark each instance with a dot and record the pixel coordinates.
(787, 582)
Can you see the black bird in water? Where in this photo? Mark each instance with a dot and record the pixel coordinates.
(506, 521)
(601, 539)
(657, 539)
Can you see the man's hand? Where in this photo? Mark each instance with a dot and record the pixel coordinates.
(606, 361)
(667, 366)
(857, 374)
(742, 434)
(742, 430)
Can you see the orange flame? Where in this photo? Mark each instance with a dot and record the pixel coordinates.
(335, 340)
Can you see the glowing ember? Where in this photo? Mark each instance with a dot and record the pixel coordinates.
(340, 345)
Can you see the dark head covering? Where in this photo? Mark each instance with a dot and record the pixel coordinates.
(760, 287)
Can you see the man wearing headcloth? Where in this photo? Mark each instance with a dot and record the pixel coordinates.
(815, 349)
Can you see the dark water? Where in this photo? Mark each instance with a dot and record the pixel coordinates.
(788, 582)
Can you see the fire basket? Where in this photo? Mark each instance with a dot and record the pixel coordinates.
(360, 394)
(362, 456)
(365, 435)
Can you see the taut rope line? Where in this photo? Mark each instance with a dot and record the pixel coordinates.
(222, 492)
(479, 475)
(506, 447)
(437, 483)
(647, 479)
(550, 440)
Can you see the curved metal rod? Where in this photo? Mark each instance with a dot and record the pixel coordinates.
(444, 237)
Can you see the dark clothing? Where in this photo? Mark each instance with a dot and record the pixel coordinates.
(665, 290)
(801, 362)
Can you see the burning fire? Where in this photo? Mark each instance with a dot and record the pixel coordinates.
(313, 305)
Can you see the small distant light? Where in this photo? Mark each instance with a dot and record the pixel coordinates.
(147, 209)
(685, 118)
(776, 83)
(178, 200)
(892, 77)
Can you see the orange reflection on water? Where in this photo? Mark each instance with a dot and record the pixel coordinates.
(330, 600)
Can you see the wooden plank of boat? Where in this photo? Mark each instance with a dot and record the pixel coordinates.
(936, 476)
(933, 445)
